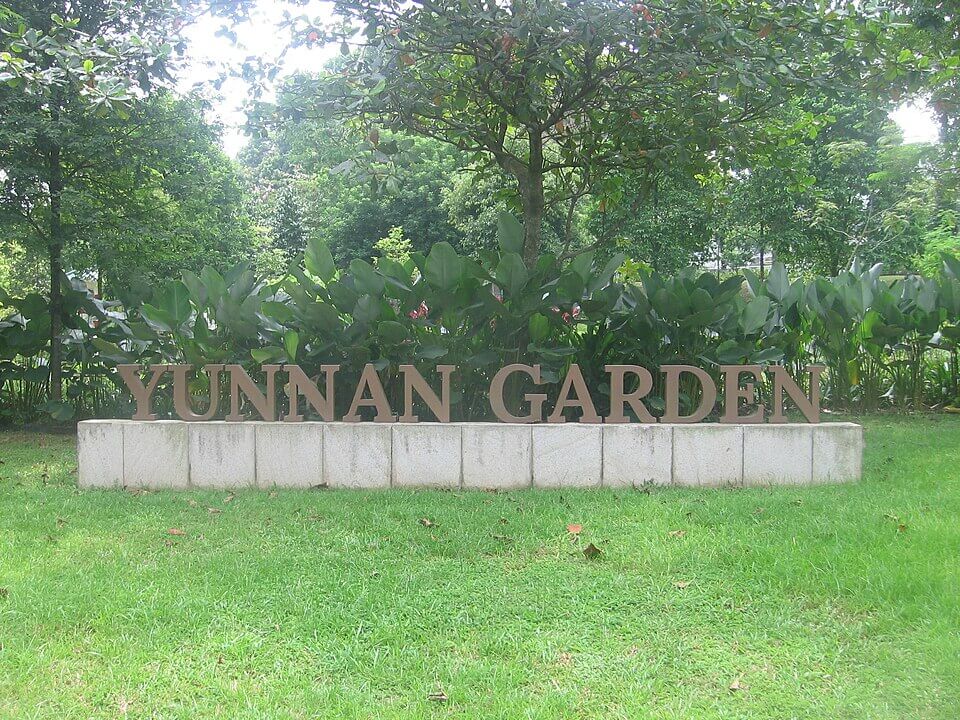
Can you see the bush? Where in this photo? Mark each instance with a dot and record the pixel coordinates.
(882, 343)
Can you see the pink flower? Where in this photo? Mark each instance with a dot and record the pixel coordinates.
(565, 317)
(419, 312)
(575, 311)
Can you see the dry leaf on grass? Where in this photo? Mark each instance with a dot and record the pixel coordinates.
(738, 684)
(677, 533)
(591, 551)
(574, 529)
(681, 584)
(426, 522)
(565, 659)
(4, 593)
(175, 531)
(437, 696)
(229, 498)
(214, 511)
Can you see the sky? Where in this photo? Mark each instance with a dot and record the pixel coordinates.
(208, 54)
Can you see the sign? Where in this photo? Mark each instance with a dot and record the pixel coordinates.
(738, 383)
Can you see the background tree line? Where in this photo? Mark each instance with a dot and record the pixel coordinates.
(696, 133)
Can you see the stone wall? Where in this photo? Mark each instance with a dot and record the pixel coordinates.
(179, 455)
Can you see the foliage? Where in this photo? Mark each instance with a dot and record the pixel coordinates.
(880, 342)
(580, 92)
(394, 247)
(287, 231)
(313, 158)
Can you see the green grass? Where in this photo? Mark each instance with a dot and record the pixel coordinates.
(825, 602)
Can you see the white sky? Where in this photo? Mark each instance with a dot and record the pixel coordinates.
(208, 54)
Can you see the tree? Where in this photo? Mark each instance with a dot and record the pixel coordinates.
(64, 67)
(287, 227)
(313, 157)
(580, 91)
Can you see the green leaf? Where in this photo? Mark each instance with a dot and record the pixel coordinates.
(195, 285)
(111, 351)
(176, 302)
(431, 352)
(59, 411)
(755, 314)
(268, 354)
(509, 233)
(319, 259)
(214, 283)
(391, 332)
(511, 274)
(158, 319)
(278, 311)
(778, 284)
(443, 267)
(366, 280)
(951, 265)
(291, 341)
(539, 326)
(366, 310)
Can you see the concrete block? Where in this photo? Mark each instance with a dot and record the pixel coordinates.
(496, 456)
(100, 453)
(356, 455)
(707, 454)
(635, 455)
(155, 455)
(289, 455)
(837, 452)
(222, 455)
(777, 454)
(568, 455)
(426, 455)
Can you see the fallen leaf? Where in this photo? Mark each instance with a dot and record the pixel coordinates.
(272, 495)
(503, 538)
(4, 593)
(738, 684)
(681, 584)
(123, 705)
(426, 522)
(677, 533)
(565, 659)
(901, 528)
(192, 503)
(175, 531)
(574, 529)
(214, 511)
(437, 696)
(591, 551)
(229, 498)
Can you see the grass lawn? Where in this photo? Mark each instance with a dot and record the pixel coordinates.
(826, 602)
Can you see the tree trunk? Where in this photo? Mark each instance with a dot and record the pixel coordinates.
(55, 248)
(763, 237)
(531, 194)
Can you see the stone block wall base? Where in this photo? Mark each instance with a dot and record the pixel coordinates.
(177, 455)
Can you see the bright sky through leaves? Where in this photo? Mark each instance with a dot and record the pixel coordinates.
(210, 54)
